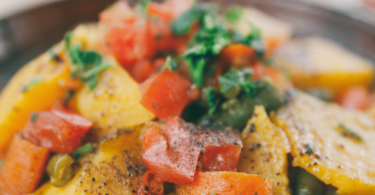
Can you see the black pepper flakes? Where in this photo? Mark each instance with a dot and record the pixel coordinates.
(252, 128)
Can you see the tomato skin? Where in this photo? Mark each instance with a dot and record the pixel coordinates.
(171, 152)
(237, 55)
(165, 94)
(151, 185)
(50, 131)
(277, 76)
(222, 150)
(142, 71)
(72, 118)
(356, 98)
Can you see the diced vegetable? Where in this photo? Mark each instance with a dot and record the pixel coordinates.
(60, 169)
(306, 184)
(320, 146)
(118, 12)
(171, 152)
(16, 105)
(50, 131)
(356, 97)
(165, 94)
(265, 149)
(151, 185)
(142, 71)
(227, 183)
(238, 55)
(71, 117)
(23, 167)
(114, 104)
(113, 170)
(221, 150)
(87, 148)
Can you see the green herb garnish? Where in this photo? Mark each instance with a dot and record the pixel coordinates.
(309, 149)
(170, 64)
(212, 99)
(68, 95)
(182, 25)
(234, 14)
(68, 37)
(347, 132)
(143, 5)
(86, 65)
(33, 117)
(54, 56)
(31, 84)
(87, 148)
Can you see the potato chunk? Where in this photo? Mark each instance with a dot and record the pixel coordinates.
(316, 62)
(112, 170)
(114, 103)
(334, 144)
(265, 148)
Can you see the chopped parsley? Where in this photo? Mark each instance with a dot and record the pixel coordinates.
(53, 55)
(347, 132)
(309, 149)
(234, 14)
(212, 99)
(33, 117)
(143, 5)
(182, 25)
(86, 65)
(170, 64)
(32, 83)
(87, 148)
(236, 78)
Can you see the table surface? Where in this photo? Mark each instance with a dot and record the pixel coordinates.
(10, 7)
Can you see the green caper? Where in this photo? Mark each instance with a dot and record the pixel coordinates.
(60, 169)
(230, 104)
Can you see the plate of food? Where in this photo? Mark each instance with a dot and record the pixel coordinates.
(192, 97)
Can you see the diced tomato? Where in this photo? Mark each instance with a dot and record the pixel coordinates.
(72, 118)
(356, 97)
(151, 185)
(142, 71)
(47, 130)
(119, 12)
(23, 167)
(237, 55)
(165, 94)
(171, 152)
(227, 183)
(179, 8)
(222, 150)
(130, 43)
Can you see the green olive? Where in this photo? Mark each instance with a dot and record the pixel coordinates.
(60, 169)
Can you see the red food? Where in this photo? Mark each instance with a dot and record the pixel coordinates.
(277, 76)
(151, 185)
(171, 152)
(222, 150)
(227, 183)
(72, 118)
(120, 12)
(165, 94)
(355, 97)
(142, 71)
(23, 167)
(238, 55)
(47, 130)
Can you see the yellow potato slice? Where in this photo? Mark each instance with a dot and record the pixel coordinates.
(112, 170)
(316, 62)
(320, 145)
(114, 104)
(265, 149)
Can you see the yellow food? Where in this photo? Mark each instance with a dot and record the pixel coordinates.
(269, 158)
(319, 63)
(112, 170)
(114, 104)
(16, 101)
(319, 146)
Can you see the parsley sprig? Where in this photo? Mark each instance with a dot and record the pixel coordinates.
(86, 65)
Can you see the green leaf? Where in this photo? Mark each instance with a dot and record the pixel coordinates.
(95, 71)
(68, 95)
(31, 84)
(182, 25)
(197, 72)
(212, 99)
(234, 14)
(170, 64)
(92, 82)
(33, 117)
(234, 78)
(347, 132)
(90, 57)
(143, 5)
(87, 148)
(67, 38)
